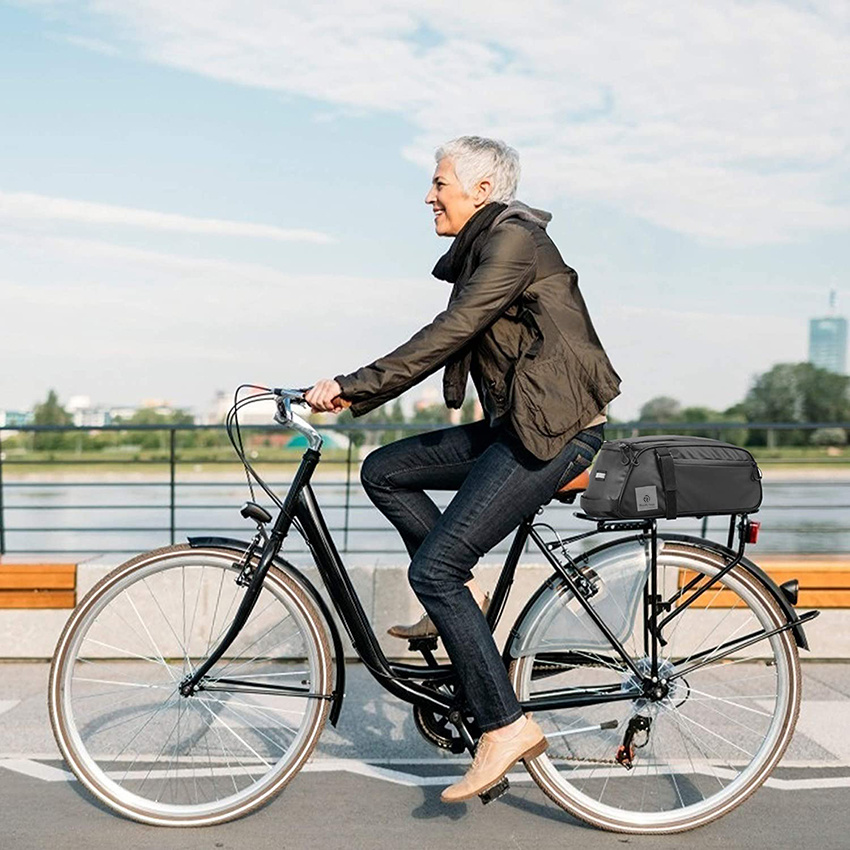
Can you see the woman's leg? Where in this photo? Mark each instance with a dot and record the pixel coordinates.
(396, 476)
(505, 485)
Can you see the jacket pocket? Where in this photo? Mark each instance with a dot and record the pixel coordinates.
(542, 387)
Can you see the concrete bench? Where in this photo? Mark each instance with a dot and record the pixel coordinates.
(824, 580)
(38, 585)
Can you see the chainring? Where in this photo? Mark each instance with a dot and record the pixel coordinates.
(437, 730)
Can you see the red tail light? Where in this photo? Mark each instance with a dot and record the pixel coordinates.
(752, 533)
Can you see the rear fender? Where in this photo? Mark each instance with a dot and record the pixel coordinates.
(309, 589)
(538, 601)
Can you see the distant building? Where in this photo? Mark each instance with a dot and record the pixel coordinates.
(15, 419)
(158, 405)
(84, 415)
(828, 342)
(123, 413)
(219, 408)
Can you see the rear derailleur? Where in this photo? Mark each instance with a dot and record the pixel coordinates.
(639, 725)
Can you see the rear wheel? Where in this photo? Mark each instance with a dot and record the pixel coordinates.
(703, 747)
(161, 758)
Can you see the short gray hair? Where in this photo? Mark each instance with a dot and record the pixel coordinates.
(476, 158)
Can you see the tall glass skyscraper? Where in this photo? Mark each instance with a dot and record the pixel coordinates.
(828, 343)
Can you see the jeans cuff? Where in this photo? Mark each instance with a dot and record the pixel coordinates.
(497, 724)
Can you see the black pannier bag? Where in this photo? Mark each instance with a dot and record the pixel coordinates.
(671, 476)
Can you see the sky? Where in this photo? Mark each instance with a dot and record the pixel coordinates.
(199, 194)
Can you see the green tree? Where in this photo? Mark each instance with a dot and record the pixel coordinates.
(432, 414)
(797, 392)
(394, 415)
(738, 436)
(661, 409)
(386, 413)
(468, 411)
(159, 438)
(51, 412)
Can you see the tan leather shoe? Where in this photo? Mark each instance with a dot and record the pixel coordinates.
(424, 626)
(493, 759)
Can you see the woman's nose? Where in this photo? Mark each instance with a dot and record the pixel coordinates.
(431, 196)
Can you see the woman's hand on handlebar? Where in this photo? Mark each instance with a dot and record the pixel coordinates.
(325, 396)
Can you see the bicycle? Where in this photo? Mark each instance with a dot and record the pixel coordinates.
(192, 683)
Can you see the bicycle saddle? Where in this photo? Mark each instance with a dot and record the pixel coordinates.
(573, 487)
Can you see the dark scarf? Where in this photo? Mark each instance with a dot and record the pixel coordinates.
(449, 267)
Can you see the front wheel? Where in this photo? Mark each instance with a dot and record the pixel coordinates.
(159, 757)
(705, 743)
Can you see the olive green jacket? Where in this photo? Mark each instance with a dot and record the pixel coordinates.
(516, 314)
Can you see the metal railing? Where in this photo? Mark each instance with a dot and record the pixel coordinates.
(37, 499)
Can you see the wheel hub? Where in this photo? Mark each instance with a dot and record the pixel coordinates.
(655, 689)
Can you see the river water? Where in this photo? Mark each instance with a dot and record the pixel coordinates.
(799, 515)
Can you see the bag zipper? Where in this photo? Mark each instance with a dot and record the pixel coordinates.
(631, 454)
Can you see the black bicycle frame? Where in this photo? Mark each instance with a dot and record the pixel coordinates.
(417, 684)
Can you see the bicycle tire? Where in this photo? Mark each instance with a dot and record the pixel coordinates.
(124, 729)
(713, 739)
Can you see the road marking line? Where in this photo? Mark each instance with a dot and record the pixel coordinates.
(362, 768)
(37, 770)
(808, 784)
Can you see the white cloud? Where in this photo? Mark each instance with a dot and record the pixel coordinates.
(723, 120)
(18, 207)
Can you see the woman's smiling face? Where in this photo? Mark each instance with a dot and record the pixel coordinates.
(452, 206)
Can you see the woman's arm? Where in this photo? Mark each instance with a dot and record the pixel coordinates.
(507, 266)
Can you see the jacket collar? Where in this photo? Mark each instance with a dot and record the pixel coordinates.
(517, 209)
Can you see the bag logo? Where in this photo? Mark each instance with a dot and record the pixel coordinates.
(646, 498)
(600, 475)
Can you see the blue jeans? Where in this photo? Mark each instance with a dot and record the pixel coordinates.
(498, 484)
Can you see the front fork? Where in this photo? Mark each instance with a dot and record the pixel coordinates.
(193, 682)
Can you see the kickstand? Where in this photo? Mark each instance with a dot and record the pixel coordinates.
(501, 787)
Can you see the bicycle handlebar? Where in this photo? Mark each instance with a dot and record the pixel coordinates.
(297, 395)
(289, 419)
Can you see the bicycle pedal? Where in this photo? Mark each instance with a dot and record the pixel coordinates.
(501, 787)
(420, 643)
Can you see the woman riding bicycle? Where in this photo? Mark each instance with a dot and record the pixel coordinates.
(517, 324)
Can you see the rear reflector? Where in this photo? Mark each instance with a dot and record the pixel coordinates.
(752, 535)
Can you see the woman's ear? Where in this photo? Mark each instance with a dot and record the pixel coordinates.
(482, 192)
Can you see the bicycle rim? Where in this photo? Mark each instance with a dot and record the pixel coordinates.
(711, 741)
(159, 757)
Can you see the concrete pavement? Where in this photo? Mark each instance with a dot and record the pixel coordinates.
(374, 783)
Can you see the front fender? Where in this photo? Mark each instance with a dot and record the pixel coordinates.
(309, 589)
